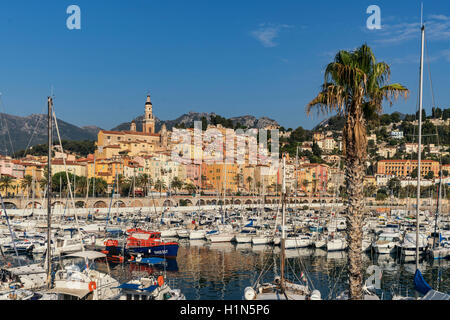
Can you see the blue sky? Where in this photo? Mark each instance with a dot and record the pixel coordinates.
(264, 58)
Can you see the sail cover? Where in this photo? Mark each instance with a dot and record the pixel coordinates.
(420, 284)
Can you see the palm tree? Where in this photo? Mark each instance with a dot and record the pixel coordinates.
(191, 188)
(160, 185)
(26, 183)
(6, 182)
(249, 181)
(143, 180)
(355, 87)
(176, 184)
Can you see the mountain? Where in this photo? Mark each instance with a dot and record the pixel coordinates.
(188, 119)
(22, 132)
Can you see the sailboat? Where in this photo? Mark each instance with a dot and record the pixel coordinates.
(280, 288)
(420, 284)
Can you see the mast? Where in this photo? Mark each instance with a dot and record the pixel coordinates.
(438, 209)
(419, 150)
(283, 221)
(49, 191)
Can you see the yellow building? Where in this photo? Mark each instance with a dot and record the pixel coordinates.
(218, 180)
(132, 142)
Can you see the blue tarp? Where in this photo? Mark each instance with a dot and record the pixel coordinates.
(129, 286)
(420, 284)
(249, 224)
(151, 288)
(151, 260)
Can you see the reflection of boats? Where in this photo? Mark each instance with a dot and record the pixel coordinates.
(319, 253)
(197, 243)
(299, 252)
(221, 246)
(261, 248)
(336, 255)
(387, 262)
(150, 265)
(243, 246)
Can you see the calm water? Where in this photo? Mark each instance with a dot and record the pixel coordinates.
(222, 271)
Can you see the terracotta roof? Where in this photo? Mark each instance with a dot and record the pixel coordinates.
(124, 132)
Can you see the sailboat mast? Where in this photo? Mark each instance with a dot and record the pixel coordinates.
(283, 222)
(49, 190)
(419, 149)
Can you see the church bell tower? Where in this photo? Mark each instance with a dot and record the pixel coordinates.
(148, 125)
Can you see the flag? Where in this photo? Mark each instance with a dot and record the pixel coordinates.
(303, 277)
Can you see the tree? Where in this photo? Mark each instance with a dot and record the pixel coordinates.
(100, 185)
(6, 182)
(355, 82)
(176, 184)
(160, 185)
(394, 186)
(26, 183)
(249, 181)
(191, 188)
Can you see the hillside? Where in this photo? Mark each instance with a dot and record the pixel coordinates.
(32, 130)
(187, 120)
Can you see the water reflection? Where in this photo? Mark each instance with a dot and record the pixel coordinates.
(218, 271)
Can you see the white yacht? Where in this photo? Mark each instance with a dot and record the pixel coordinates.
(71, 283)
(386, 243)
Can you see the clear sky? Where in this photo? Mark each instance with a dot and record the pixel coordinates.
(258, 57)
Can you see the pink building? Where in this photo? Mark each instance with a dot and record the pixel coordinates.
(193, 174)
(6, 166)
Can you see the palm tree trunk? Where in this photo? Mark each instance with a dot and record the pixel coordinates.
(354, 181)
(355, 150)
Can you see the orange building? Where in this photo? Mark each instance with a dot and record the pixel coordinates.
(403, 168)
(215, 177)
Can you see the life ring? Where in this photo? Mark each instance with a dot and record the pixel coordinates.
(160, 280)
(92, 286)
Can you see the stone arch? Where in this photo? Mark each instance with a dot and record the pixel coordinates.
(167, 203)
(10, 205)
(100, 204)
(35, 204)
(119, 203)
(248, 201)
(58, 203)
(201, 202)
(188, 202)
(227, 201)
(137, 203)
(213, 202)
(208, 202)
(268, 201)
(80, 204)
(237, 201)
